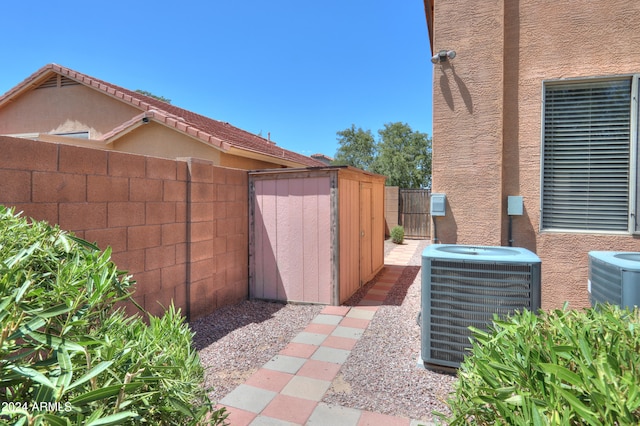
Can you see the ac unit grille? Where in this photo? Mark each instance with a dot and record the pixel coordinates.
(606, 282)
(463, 294)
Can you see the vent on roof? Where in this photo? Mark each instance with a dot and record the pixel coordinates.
(66, 81)
(57, 81)
(51, 82)
(465, 286)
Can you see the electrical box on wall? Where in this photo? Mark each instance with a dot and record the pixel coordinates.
(515, 205)
(438, 205)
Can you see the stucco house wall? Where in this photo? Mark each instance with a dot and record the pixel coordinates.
(70, 108)
(77, 108)
(156, 140)
(487, 106)
(56, 101)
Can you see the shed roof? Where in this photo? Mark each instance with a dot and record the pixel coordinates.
(219, 134)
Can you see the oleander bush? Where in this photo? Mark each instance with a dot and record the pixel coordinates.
(397, 234)
(563, 367)
(70, 355)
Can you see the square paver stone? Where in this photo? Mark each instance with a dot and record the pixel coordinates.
(238, 417)
(370, 302)
(361, 313)
(337, 356)
(369, 418)
(290, 409)
(300, 350)
(306, 388)
(349, 332)
(337, 342)
(355, 323)
(378, 297)
(321, 370)
(248, 398)
(269, 379)
(309, 338)
(270, 421)
(335, 310)
(327, 319)
(319, 328)
(334, 415)
(285, 363)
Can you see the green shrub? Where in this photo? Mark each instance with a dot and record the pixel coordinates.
(562, 367)
(397, 234)
(69, 356)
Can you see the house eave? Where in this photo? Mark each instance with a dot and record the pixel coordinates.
(263, 157)
(428, 10)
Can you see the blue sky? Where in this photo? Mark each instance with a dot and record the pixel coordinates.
(297, 69)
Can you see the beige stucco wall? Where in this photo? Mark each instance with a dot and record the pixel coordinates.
(160, 141)
(467, 121)
(487, 107)
(64, 109)
(76, 108)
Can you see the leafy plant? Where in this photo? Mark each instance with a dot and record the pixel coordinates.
(560, 367)
(397, 234)
(69, 356)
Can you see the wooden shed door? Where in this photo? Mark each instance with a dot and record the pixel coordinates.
(365, 232)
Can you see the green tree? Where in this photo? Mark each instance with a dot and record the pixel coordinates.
(401, 154)
(357, 148)
(404, 156)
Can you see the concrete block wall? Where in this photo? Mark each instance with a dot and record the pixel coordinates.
(391, 207)
(218, 236)
(180, 227)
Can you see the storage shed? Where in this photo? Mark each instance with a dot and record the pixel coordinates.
(316, 234)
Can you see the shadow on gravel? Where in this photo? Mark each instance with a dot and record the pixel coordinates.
(396, 294)
(229, 318)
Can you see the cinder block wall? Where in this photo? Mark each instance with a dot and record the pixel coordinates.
(391, 204)
(180, 227)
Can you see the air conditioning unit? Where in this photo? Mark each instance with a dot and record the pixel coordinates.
(614, 277)
(465, 286)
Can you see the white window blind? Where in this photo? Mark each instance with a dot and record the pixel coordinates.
(586, 159)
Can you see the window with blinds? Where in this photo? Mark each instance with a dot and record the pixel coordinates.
(587, 155)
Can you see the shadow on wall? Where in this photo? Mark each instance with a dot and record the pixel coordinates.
(445, 228)
(523, 233)
(445, 88)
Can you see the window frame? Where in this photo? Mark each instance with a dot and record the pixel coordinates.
(633, 224)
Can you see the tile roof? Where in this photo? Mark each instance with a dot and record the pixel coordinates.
(213, 132)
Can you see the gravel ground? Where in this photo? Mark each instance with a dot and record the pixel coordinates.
(235, 341)
(380, 375)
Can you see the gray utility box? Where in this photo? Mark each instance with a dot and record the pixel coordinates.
(465, 286)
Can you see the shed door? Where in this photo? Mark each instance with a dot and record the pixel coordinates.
(365, 232)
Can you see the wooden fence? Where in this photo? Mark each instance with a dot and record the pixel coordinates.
(414, 213)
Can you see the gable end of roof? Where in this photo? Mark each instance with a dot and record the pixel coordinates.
(219, 134)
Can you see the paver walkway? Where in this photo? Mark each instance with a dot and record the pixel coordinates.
(288, 389)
